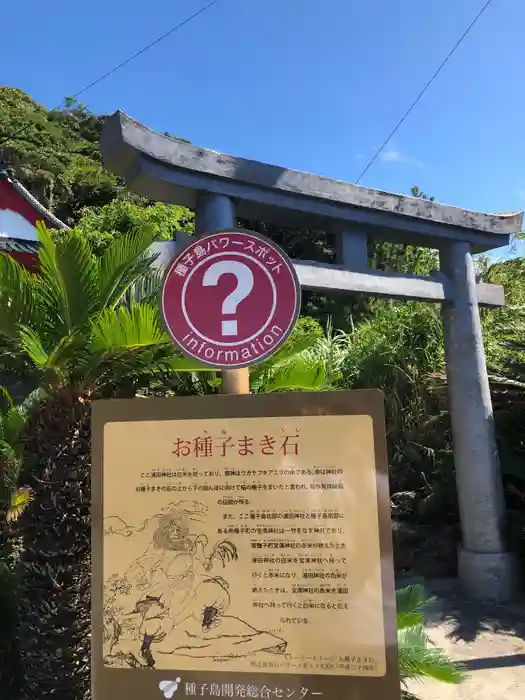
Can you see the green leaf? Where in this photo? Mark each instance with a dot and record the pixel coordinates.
(124, 264)
(289, 351)
(5, 448)
(417, 660)
(410, 602)
(20, 499)
(56, 365)
(16, 296)
(145, 289)
(300, 374)
(69, 280)
(13, 423)
(32, 344)
(116, 329)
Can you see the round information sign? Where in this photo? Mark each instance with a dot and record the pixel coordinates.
(231, 298)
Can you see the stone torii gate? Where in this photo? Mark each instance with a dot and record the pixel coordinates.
(221, 188)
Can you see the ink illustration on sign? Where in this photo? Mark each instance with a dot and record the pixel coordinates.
(242, 544)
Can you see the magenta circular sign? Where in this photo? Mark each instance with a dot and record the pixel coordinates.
(231, 299)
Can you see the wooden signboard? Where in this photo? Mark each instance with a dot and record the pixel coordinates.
(242, 548)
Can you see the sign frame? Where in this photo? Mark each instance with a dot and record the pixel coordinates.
(214, 364)
(143, 684)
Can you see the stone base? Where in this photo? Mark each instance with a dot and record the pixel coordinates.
(490, 577)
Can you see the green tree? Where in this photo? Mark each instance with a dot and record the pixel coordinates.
(408, 259)
(55, 153)
(101, 225)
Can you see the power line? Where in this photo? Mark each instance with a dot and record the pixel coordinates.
(429, 83)
(126, 61)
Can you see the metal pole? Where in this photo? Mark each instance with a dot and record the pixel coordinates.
(487, 570)
(214, 211)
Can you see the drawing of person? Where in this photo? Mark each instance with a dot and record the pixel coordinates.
(206, 631)
(177, 606)
(159, 584)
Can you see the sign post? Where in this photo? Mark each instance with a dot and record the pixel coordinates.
(231, 299)
(242, 548)
(212, 212)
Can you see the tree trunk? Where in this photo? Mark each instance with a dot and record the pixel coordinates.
(54, 569)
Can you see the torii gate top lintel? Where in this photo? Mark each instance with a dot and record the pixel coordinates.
(162, 168)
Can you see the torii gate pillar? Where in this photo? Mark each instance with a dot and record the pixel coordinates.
(484, 564)
(220, 187)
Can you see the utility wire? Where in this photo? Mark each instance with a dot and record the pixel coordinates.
(429, 83)
(125, 62)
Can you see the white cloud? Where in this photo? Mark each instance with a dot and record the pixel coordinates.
(392, 155)
(521, 194)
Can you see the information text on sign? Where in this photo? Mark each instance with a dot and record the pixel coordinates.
(241, 555)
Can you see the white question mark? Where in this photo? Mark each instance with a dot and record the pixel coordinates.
(244, 277)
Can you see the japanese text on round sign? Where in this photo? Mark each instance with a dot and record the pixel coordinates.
(231, 299)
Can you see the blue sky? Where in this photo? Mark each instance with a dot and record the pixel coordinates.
(314, 85)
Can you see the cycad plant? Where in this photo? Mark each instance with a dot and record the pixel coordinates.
(418, 659)
(81, 333)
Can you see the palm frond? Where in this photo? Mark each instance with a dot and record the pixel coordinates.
(33, 398)
(31, 343)
(124, 263)
(117, 329)
(333, 350)
(291, 349)
(146, 289)
(69, 280)
(7, 451)
(54, 367)
(17, 298)
(20, 499)
(128, 343)
(299, 374)
(13, 423)
(418, 660)
(405, 695)
(411, 601)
